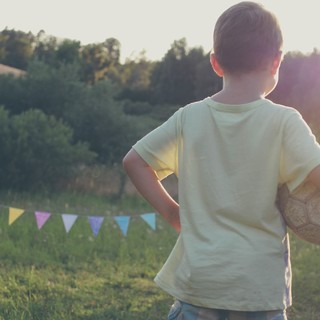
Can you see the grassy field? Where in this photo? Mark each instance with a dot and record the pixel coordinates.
(48, 274)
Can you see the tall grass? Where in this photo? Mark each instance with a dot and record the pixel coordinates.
(49, 274)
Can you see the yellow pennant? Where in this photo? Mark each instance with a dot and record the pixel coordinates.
(14, 214)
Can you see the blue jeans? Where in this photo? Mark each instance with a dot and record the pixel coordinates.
(184, 311)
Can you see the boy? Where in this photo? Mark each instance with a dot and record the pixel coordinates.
(230, 152)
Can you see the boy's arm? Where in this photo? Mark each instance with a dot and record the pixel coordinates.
(314, 176)
(147, 183)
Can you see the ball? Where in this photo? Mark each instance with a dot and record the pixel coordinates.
(301, 210)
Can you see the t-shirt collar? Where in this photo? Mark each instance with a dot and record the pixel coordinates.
(233, 107)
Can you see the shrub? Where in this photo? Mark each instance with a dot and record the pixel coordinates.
(37, 150)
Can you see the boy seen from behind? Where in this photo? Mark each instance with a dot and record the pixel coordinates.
(230, 153)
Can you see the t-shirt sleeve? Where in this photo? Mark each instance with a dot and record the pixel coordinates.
(160, 147)
(300, 152)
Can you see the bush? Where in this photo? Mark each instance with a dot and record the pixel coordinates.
(37, 150)
(137, 108)
(101, 121)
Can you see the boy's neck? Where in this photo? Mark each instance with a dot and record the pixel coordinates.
(244, 88)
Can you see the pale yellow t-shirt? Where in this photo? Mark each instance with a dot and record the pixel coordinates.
(233, 250)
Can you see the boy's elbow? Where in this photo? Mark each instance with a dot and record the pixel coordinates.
(131, 160)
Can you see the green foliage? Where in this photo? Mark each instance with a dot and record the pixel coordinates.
(206, 80)
(171, 77)
(45, 48)
(68, 52)
(306, 263)
(16, 48)
(184, 75)
(37, 150)
(98, 58)
(137, 107)
(55, 91)
(93, 112)
(101, 122)
(13, 93)
(110, 105)
(54, 52)
(136, 74)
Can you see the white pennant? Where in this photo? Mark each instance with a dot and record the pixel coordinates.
(68, 220)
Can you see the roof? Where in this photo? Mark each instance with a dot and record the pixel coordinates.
(4, 69)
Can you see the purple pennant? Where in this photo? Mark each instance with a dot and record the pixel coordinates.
(95, 223)
(41, 218)
(123, 223)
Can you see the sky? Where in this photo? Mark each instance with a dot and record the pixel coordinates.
(149, 25)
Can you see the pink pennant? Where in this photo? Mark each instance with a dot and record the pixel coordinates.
(41, 218)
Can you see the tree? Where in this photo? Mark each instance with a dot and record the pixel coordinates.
(171, 79)
(135, 79)
(55, 52)
(184, 75)
(16, 48)
(37, 150)
(13, 93)
(101, 122)
(98, 59)
(68, 52)
(113, 47)
(45, 48)
(207, 82)
(56, 91)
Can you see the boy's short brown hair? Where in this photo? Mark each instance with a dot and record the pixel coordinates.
(246, 38)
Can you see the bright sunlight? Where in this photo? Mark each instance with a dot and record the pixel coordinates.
(152, 26)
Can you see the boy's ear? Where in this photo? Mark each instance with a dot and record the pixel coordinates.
(215, 65)
(276, 63)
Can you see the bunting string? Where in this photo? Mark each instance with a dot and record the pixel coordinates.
(68, 219)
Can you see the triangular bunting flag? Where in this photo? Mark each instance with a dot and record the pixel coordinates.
(14, 214)
(68, 220)
(95, 223)
(123, 222)
(150, 219)
(41, 218)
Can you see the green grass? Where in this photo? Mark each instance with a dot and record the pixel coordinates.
(48, 274)
(305, 259)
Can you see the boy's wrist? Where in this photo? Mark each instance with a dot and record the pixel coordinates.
(172, 216)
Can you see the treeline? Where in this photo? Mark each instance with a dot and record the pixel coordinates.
(78, 105)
